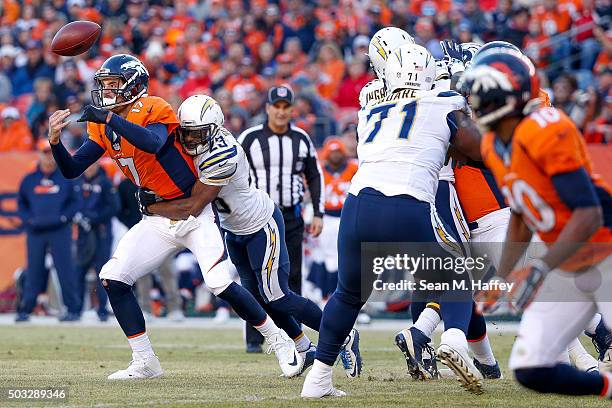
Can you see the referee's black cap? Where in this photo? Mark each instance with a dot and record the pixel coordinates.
(280, 93)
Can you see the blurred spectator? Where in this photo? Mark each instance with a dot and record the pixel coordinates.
(518, 27)
(536, 45)
(568, 98)
(585, 37)
(425, 35)
(600, 130)
(42, 98)
(330, 66)
(499, 18)
(348, 94)
(47, 203)
(14, 131)
(475, 16)
(34, 68)
(100, 203)
(554, 20)
(244, 81)
(69, 85)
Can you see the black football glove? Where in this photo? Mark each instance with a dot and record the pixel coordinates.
(146, 198)
(93, 114)
(453, 55)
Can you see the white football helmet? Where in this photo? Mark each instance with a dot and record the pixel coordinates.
(200, 118)
(373, 90)
(469, 50)
(383, 43)
(410, 66)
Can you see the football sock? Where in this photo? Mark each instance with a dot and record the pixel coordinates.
(338, 319)
(302, 342)
(285, 321)
(482, 350)
(477, 328)
(125, 306)
(564, 379)
(304, 310)
(267, 328)
(428, 321)
(244, 304)
(592, 326)
(456, 314)
(416, 308)
(141, 346)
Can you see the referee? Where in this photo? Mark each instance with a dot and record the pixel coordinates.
(281, 156)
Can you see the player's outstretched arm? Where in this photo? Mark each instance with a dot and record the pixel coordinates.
(467, 136)
(149, 139)
(70, 166)
(201, 195)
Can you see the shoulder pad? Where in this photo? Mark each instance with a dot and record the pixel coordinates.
(218, 166)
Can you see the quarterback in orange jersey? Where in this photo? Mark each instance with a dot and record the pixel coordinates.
(137, 131)
(539, 160)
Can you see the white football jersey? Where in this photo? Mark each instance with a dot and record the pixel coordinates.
(443, 83)
(243, 209)
(403, 142)
(373, 90)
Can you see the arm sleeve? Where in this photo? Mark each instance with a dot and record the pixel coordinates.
(149, 139)
(73, 166)
(576, 189)
(314, 178)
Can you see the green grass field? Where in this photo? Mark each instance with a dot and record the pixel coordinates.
(210, 367)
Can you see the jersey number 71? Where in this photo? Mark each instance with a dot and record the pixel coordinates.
(409, 111)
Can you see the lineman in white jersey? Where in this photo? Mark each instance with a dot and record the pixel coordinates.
(253, 225)
(403, 141)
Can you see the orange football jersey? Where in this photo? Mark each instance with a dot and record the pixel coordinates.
(545, 143)
(477, 191)
(170, 173)
(337, 185)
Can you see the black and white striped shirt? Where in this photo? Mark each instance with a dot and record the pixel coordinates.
(278, 163)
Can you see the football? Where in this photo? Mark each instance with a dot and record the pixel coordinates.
(75, 38)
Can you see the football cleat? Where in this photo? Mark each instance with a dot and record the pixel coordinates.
(413, 343)
(462, 366)
(290, 361)
(490, 372)
(139, 368)
(602, 340)
(308, 356)
(350, 355)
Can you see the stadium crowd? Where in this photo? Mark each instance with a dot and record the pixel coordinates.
(234, 50)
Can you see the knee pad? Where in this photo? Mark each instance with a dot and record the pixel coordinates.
(218, 289)
(110, 271)
(114, 288)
